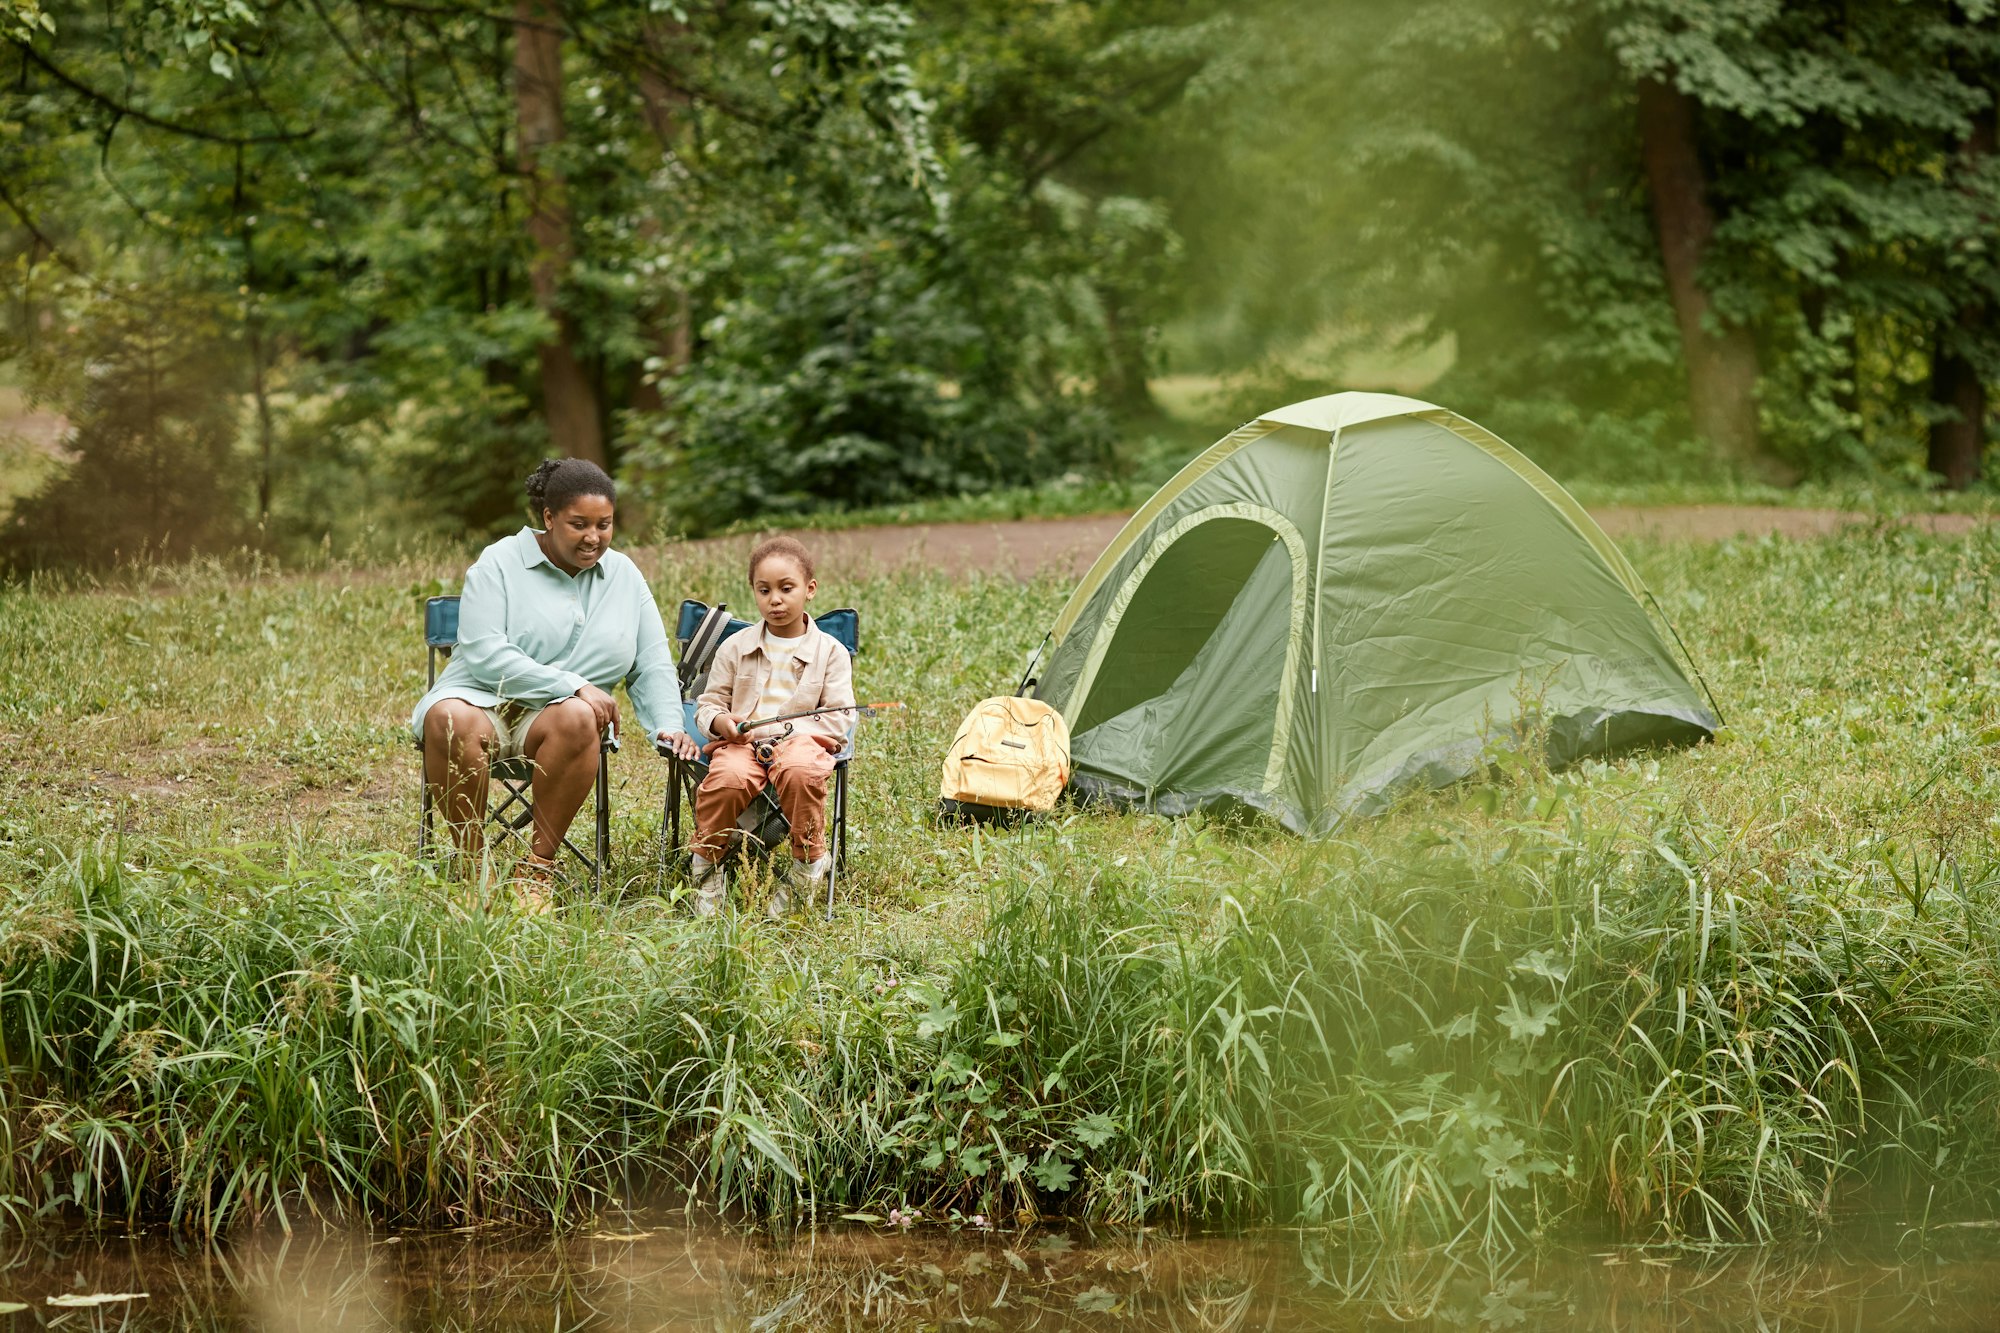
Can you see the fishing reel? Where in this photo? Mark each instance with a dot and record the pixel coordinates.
(765, 748)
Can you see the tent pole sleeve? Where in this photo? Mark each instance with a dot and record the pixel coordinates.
(1319, 562)
(1693, 665)
(1034, 660)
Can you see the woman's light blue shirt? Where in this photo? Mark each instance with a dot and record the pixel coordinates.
(530, 634)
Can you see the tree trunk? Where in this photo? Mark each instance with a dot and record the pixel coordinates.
(1721, 362)
(1124, 390)
(253, 334)
(1958, 427)
(568, 399)
(1959, 431)
(669, 321)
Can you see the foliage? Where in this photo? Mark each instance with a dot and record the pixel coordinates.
(849, 371)
(747, 189)
(813, 255)
(1404, 204)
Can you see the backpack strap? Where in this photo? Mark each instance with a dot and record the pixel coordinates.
(701, 645)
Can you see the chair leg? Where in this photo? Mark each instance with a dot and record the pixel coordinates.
(603, 857)
(840, 809)
(838, 837)
(670, 819)
(833, 871)
(424, 817)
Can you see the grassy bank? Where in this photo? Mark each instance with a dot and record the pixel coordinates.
(1736, 990)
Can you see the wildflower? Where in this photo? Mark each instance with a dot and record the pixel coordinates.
(980, 1221)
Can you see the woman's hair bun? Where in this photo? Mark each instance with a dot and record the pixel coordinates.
(556, 483)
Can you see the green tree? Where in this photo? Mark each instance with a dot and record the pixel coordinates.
(1744, 222)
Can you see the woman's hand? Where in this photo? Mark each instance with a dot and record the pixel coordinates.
(680, 743)
(601, 704)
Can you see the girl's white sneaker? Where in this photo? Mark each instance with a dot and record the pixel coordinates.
(711, 886)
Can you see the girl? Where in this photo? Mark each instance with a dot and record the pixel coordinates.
(786, 665)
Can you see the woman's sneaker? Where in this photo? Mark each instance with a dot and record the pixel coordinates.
(711, 886)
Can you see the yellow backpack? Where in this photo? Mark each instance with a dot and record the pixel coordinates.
(1010, 756)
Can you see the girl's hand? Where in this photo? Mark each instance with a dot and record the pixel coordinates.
(831, 744)
(728, 728)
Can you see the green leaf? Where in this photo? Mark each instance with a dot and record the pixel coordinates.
(1465, 1025)
(1094, 1131)
(1526, 1024)
(1053, 1173)
(1480, 1112)
(940, 1018)
(1098, 1300)
(1543, 963)
(219, 63)
(760, 1138)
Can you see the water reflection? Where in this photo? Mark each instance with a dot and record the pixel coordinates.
(672, 1277)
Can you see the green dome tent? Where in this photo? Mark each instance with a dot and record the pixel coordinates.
(1346, 598)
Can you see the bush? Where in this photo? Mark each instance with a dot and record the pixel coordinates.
(857, 372)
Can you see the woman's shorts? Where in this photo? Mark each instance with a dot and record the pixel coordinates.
(510, 726)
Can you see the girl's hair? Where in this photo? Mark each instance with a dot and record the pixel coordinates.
(556, 483)
(786, 546)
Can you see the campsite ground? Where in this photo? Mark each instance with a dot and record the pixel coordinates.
(1748, 987)
(1067, 544)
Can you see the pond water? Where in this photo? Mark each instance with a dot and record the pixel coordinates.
(669, 1276)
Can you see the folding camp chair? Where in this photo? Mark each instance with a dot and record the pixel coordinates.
(515, 811)
(698, 632)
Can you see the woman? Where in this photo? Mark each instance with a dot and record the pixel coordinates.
(549, 623)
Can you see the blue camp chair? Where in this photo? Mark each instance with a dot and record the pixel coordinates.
(515, 811)
(698, 631)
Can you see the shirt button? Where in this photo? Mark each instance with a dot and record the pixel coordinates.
(579, 617)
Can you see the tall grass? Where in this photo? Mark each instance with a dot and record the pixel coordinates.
(1744, 990)
(1414, 1046)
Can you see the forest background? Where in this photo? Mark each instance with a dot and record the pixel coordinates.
(324, 272)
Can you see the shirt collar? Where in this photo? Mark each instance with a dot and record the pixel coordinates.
(763, 629)
(532, 554)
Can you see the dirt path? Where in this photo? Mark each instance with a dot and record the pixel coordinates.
(1031, 546)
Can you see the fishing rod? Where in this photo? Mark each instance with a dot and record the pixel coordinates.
(764, 748)
(865, 710)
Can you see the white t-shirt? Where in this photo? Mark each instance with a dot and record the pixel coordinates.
(783, 682)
